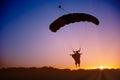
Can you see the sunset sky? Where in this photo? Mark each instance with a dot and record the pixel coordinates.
(26, 41)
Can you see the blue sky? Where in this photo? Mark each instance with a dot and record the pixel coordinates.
(25, 38)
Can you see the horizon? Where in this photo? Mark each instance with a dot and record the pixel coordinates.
(97, 68)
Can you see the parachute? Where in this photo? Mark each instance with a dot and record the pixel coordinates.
(72, 18)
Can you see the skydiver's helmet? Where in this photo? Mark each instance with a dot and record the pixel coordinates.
(77, 51)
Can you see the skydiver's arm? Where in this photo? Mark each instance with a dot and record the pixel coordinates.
(80, 49)
(74, 52)
(71, 54)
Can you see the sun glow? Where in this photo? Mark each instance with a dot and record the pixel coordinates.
(101, 67)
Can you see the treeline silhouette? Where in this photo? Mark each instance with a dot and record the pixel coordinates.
(50, 73)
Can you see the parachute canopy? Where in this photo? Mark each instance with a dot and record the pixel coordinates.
(71, 18)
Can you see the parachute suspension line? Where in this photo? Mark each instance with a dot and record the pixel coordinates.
(81, 41)
(85, 41)
(67, 44)
(62, 9)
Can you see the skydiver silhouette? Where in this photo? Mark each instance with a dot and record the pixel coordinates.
(76, 56)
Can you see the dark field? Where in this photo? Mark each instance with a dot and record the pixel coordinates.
(49, 73)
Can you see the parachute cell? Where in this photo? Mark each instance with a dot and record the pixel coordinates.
(71, 18)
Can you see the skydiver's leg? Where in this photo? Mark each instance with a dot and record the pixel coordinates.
(75, 64)
(79, 65)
